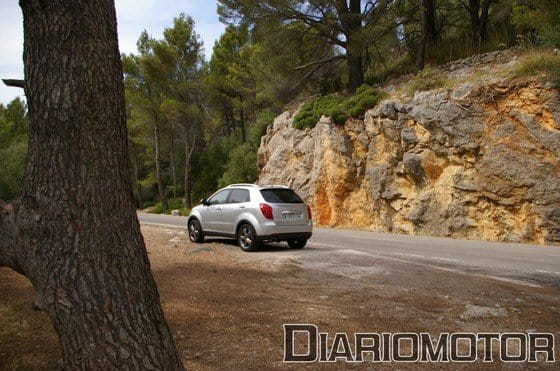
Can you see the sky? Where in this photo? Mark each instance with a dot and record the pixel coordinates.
(133, 16)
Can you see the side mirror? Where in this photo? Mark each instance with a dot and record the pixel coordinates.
(204, 202)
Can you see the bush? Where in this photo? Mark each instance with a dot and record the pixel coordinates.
(172, 204)
(337, 107)
(147, 204)
(427, 79)
(157, 209)
(544, 64)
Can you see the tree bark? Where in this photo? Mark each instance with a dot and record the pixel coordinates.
(433, 32)
(189, 148)
(137, 180)
(173, 165)
(351, 20)
(422, 41)
(14, 83)
(159, 180)
(74, 231)
(355, 71)
(478, 13)
(242, 120)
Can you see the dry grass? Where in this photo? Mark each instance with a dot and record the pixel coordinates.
(531, 62)
(540, 63)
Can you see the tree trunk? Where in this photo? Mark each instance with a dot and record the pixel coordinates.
(161, 190)
(474, 8)
(433, 32)
(485, 9)
(173, 166)
(137, 180)
(351, 20)
(478, 14)
(422, 41)
(242, 120)
(188, 153)
(74, 232)
(355, 71)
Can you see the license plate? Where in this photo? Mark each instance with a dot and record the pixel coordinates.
(292, 216)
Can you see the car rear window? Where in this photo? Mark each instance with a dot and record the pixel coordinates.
(281, 196)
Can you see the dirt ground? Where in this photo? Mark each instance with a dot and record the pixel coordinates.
(226, 308)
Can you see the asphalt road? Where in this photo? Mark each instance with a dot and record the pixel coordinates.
(516, 263)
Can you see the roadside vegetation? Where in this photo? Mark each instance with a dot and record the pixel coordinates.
(172, 204)
(338, 107)
(195, 125)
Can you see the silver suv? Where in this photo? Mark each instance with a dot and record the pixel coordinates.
(252, 214)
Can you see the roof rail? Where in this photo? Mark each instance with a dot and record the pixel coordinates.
(274, 186)
(242, 185)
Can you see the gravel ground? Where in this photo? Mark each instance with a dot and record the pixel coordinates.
(226, 308)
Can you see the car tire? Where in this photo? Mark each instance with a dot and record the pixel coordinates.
(297, 243)
(247, 237)
(196, 234)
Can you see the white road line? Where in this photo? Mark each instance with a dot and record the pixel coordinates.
(503, 279)
(412, 255)
(378, 238)
(548, 272)
(354, 236)
(163, 225)
(426, 257)
(444, 259)
(327, 245)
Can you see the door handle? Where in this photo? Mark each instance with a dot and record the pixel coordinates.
(241, 207)
(218, 208)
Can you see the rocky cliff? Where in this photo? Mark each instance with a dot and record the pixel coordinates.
(478, 161)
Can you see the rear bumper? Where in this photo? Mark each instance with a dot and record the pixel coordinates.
(285, 236)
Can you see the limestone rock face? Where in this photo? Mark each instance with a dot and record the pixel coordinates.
(479, 162)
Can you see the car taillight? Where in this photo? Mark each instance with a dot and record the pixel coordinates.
(266, 210)
(309, 212)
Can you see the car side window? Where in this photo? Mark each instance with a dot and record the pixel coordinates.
(238, 196)
(219, 198)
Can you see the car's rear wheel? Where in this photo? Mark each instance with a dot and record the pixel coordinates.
(195, 231)
(247, 237)
(297, 243)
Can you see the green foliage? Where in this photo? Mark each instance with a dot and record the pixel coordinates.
(241, 166)
(229, 82)
(364, 99)
(172, 204)
(12, 164)
(540, 19)
(164, 89)
(310, 113)
(147, 204)
(337, 107)
(13, 147)
(544, 64)
(209, 164)
(427, 79)
(157, 209)
(264, 119)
